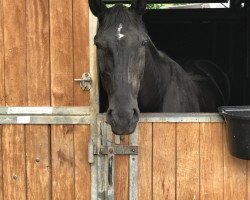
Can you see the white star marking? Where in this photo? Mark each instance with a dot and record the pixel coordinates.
(119, 35)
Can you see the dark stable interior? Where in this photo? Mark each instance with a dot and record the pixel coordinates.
(220, 35)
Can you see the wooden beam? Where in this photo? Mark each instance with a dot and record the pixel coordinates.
(145, 160)
(164, 161)
(62, 137)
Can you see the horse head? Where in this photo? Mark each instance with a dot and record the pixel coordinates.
(120, 40)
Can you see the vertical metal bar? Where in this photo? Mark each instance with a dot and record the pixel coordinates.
(94, 109)
(133, 168)
(100, 164)
(110, 166)
(117, 139)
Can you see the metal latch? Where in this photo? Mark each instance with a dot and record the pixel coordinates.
(118, 150)
(110, 150)
(85, 81)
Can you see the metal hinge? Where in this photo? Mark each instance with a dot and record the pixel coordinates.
(85, 81)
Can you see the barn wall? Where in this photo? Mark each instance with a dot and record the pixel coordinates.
(44, 45)
(176, 161)
(185, 161)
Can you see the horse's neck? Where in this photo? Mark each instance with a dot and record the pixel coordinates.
(156, 74)
(160, 67)
(161, 72)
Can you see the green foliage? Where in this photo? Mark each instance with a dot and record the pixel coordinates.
(149, 6)
(109, 5)
(155, 6)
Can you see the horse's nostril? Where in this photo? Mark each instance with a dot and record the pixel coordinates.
(136, 113)
(109, 116)
(110, 111)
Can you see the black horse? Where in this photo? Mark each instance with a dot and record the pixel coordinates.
(138, 77)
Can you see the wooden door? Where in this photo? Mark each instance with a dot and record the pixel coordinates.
(44, 45)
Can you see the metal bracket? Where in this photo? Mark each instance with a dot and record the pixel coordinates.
(115, 150)
(85, 81)
(118, 150)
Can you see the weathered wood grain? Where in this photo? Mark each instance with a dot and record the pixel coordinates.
(145, 161)
(81, 48)
(248, 180)
(15, 52)
(211, 161)
(38, 162)
(62, 155)
(82, 167)
(187, 180)
(15, 75)
(235, 175)
(13, 152)
(81, 98)
(38, 58)
(164, 160)
(122, 174)
(62, 137)
(1, 164)
(38, 86)
(61, 52)
(2, 92)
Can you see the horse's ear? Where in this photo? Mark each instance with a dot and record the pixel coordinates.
(97, 7)
(139, 6)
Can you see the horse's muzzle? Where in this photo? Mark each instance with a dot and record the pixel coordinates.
(123, 123)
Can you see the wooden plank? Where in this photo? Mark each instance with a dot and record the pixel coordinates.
(211, 161)
(61, 50)
(248, 180)
(38, 162)
(13, 153)
(82, 167)
(81, 48)
(81, 98)
(145, 160)
(2, 92)
(62, 143)
(1, 164)
(38, 68)
(164, 160)
(15, 52)
(235, 175)
(187, 180)
(13, 138)
(62, 137)
(122, 174)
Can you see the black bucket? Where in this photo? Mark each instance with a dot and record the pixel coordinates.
(238, 126)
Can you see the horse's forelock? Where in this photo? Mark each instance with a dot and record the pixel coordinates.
(119, 14)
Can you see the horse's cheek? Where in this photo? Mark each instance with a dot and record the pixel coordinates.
(135, 86)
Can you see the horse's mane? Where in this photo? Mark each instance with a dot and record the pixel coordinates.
(119, 14)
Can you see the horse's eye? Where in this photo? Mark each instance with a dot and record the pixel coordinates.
(105, 74)
(98, 45)
(144, 42)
